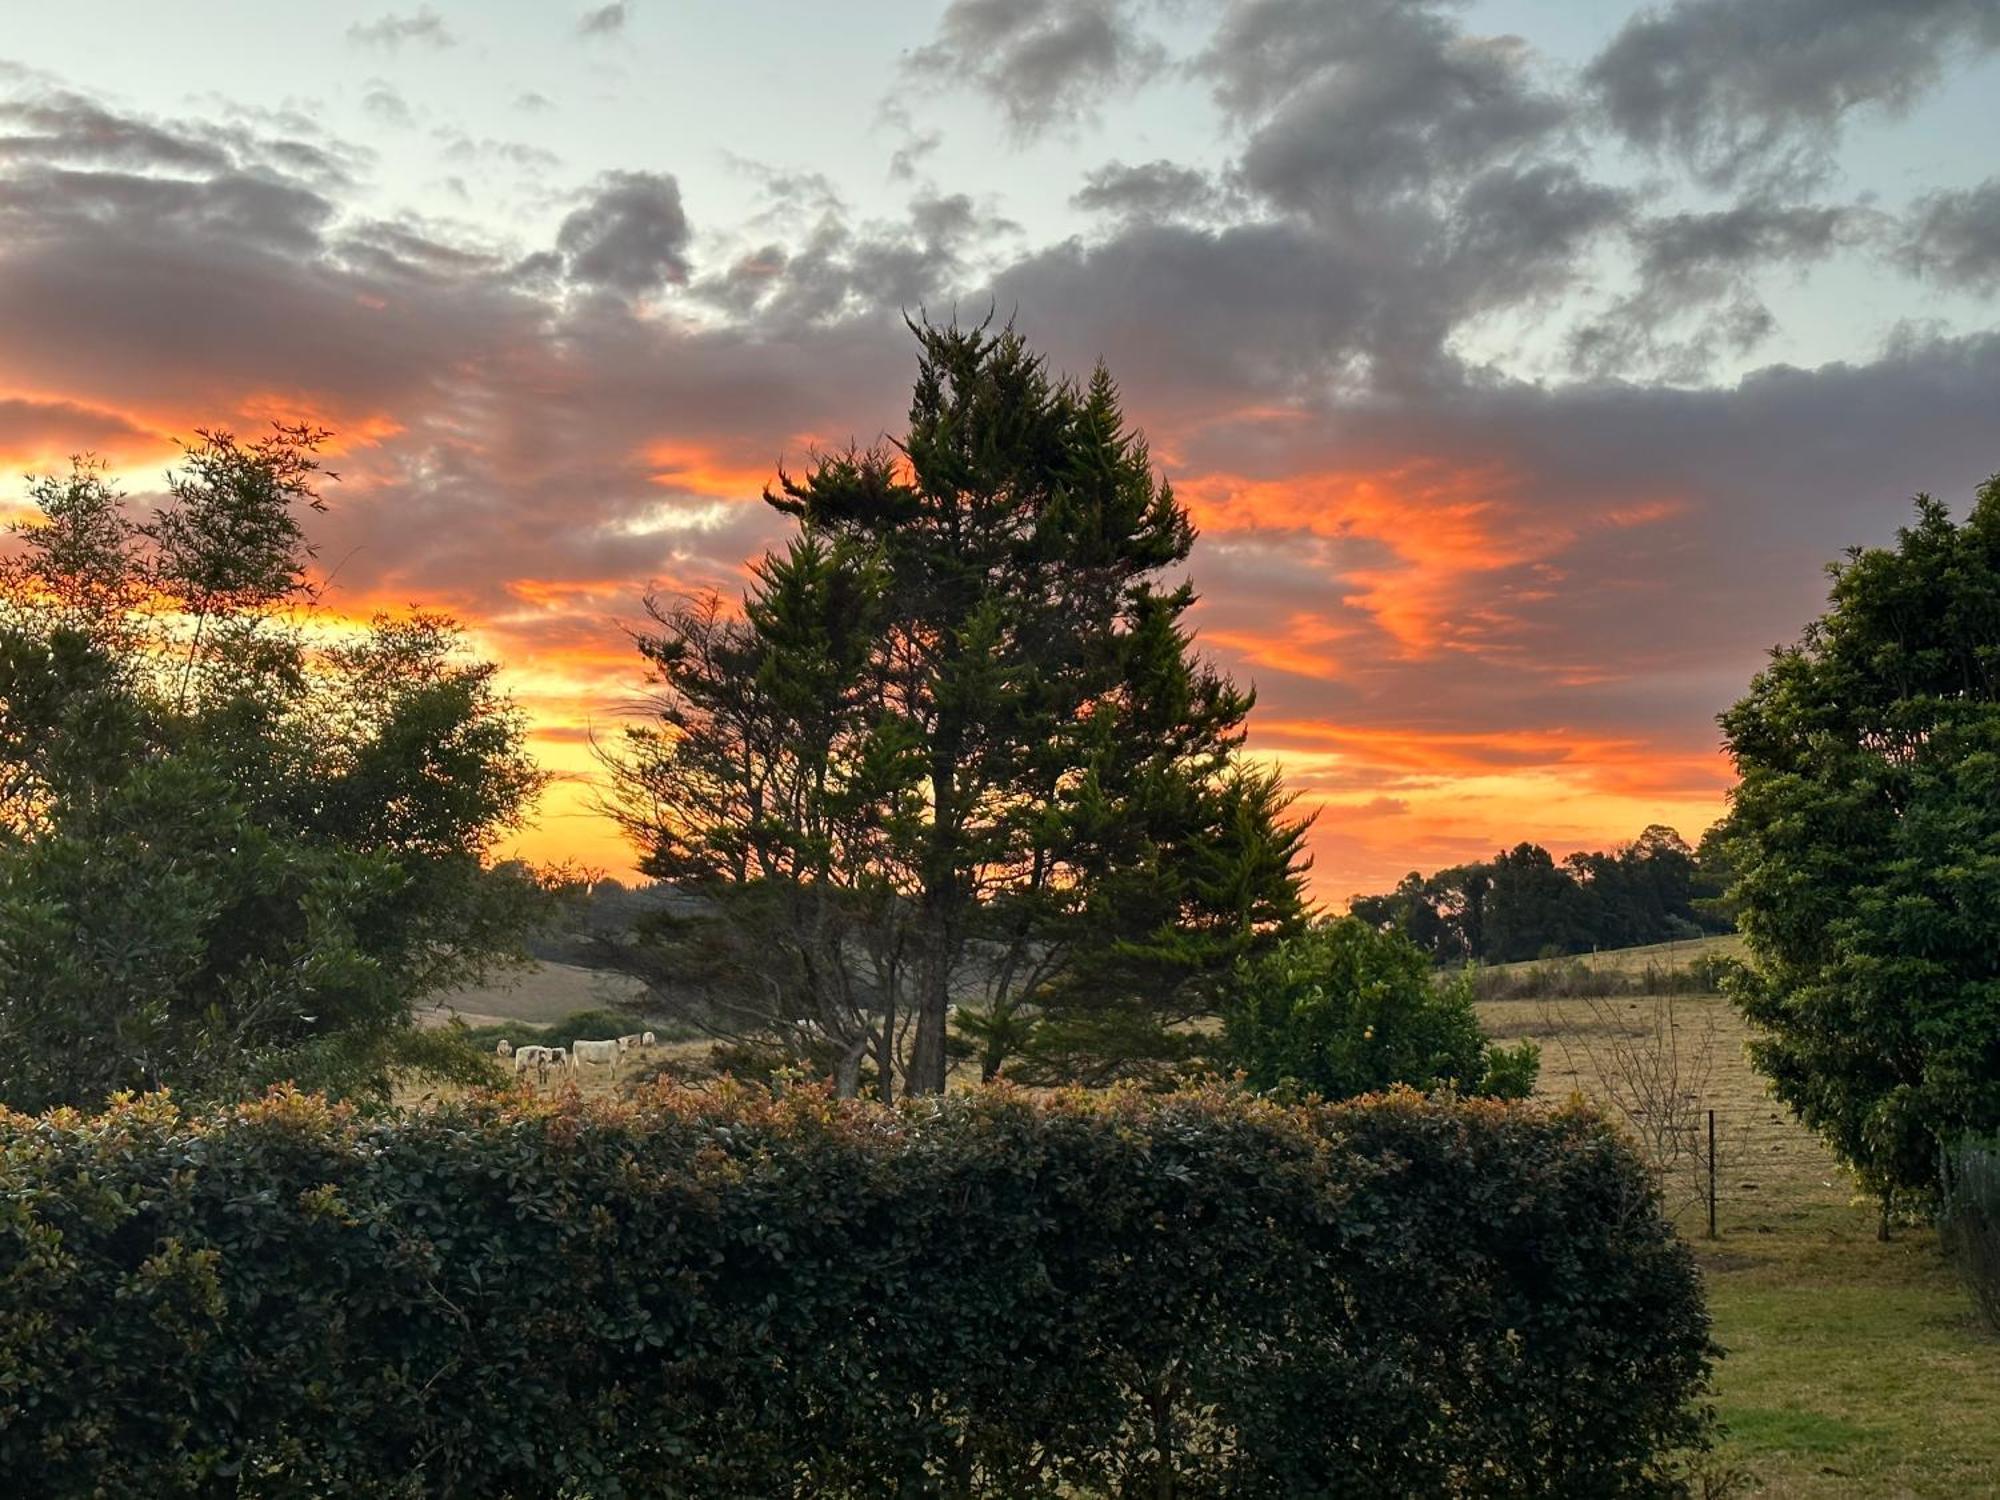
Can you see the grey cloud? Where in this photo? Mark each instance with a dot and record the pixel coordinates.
(1351, 106)
(1153, 190)
(1953, 238)
(391, 31)
(833, 271)
(520, 155)
(1435, 168)
(1697, 280)
(63, 127)
(383, 103)
(534, 103)
(903, 162)
(1733, 86)
(1046, 63)
(605, 20)
(631, 238)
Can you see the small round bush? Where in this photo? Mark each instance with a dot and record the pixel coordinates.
(1346, 1009)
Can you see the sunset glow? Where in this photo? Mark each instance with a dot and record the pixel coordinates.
(1517, 419)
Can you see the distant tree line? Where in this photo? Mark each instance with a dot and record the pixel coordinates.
(1524, 903)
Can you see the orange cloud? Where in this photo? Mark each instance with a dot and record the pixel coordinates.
(702, 469)
(1430, 531)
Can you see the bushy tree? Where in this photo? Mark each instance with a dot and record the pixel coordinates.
(1524, 903)
(1345, 1008)
(958, 751)
(238, 841)
(1866, 836)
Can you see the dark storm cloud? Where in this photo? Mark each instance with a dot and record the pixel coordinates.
(391, 32)
(1953, 238)
(1046, 63)
(631, 238)
(1732, 86)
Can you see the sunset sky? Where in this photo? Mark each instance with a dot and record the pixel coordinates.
(1521, 362)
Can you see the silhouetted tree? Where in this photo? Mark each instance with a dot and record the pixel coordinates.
(233, 849)
(958, 750)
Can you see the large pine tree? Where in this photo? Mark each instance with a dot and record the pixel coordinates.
(958, 754)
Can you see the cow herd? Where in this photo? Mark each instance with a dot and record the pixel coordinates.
(541, 1061)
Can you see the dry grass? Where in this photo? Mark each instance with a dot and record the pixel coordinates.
(1853, 1368)
(1673, 955)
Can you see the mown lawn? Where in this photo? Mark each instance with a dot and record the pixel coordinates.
(1854, 1368)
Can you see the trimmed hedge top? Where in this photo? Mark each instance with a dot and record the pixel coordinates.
(727, 1294)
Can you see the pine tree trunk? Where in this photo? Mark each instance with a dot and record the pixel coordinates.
(927, 1052)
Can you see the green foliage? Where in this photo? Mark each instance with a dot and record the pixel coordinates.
(958, 750)
(1343, 1009)
(233, 847)
(736, 1294)
(1866, 836)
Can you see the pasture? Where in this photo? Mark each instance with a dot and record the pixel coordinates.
(539, 994)
(1854, 1368)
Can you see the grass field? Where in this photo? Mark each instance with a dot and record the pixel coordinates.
(540, 994)
(1853, 1368)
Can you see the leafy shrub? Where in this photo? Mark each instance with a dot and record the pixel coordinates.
(1346, 1009)
(730, 1294)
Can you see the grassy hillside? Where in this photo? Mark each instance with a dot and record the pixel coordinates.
(539, 995)
(1667, 955)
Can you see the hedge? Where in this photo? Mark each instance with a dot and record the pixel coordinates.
(729, 1294)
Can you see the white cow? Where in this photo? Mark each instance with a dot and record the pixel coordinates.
(505, 1048)
(627, 1043)
(541, 1059)
(645, 1039)
(593, 1052)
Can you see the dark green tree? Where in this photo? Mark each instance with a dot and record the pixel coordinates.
(1345, 1008)
(959, 752)
(1866, 837)
(236, 845)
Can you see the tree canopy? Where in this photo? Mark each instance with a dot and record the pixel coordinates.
(1524, 903)
(239, 838)
(1866, 836)
(957, 755)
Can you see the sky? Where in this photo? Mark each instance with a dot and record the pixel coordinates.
(1522, 362)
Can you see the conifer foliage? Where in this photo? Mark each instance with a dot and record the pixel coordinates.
(958, 756)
